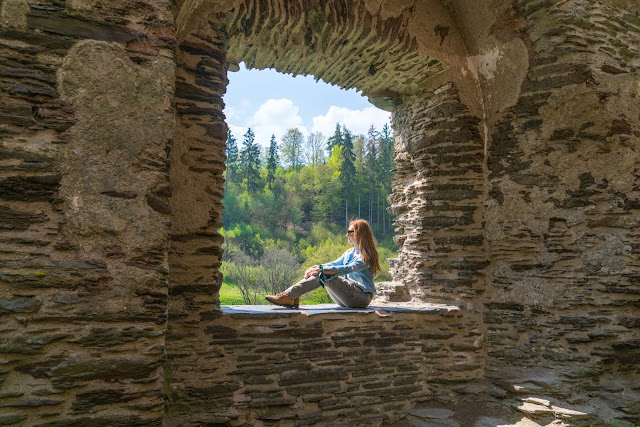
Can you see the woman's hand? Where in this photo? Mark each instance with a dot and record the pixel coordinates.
(311, 271)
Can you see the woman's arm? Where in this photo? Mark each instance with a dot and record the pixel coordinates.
(315, 271)
(355, 264)
(336, 267)
(340, 260)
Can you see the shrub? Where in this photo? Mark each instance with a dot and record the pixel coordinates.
(278, 270)
(243, 273)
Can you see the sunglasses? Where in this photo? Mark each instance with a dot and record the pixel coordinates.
(350, 231)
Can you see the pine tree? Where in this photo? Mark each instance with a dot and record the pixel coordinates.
(232, 158)
(372, 168)
(348, 169)
(250, 159)
(272, 161)
(360, 181)
(386, 152)
(335, 140)
(371, 157)
(373, 136)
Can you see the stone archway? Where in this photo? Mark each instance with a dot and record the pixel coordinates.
(405, 60)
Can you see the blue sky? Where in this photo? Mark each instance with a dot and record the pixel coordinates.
(271, 102)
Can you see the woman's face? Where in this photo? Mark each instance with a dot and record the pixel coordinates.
(351, 235)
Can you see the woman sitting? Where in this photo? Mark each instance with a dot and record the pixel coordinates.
(360, 264)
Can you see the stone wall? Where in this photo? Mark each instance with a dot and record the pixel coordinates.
(86, 115)
(552, 241)
(295, 37)
(438, 197)
(328, 366)
(563, 216)
(517, 199)
(197, 164)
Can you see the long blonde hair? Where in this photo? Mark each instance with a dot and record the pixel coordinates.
(366, 244)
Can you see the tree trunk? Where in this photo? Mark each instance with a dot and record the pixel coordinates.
(378, 210)
(346, 212)
(384, 223)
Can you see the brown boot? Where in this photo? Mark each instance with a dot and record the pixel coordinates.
(283, 299)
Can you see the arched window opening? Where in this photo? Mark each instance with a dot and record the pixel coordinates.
(302, 159)
(437, 198)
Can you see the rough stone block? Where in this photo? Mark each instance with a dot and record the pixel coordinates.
(41, 188)
(65, 25)
(11, 419)
(17, 114)
(19, 305)
(13, 14)
(314, 375)
(71, 371)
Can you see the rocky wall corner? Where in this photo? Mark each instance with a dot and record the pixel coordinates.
(559, 208)
(86, 119)
(563, 212)
(438, 198)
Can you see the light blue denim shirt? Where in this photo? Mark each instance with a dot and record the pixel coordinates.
(350, 263)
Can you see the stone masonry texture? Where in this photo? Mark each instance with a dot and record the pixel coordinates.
(517, 203)
(334, 367)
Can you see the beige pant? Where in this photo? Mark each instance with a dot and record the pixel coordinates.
(344, 292)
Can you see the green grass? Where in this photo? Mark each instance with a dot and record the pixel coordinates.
(230, 295)
(317, 296)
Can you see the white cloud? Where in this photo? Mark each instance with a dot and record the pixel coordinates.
(357, 121)
(237, 132)
(239, 112)
(275, 117)
(231, 113)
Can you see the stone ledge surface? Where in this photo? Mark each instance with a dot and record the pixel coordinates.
(313, 310)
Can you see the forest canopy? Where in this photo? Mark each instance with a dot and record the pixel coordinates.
(288, 206)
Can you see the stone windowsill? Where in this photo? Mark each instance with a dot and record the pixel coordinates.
(312, 310)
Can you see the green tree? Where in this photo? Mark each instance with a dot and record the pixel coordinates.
(248, 237)
(232, 158)
(292, 148)
(314, 149)
(387, 164)
(334, 140)
(234, 210)
(360, 182)
(302, 186)
(385, 151)
(272, 162)
(327, 202)
(348, 169)
(250, 160)
(372, 168)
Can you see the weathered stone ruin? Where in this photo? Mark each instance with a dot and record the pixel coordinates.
(517, 202)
